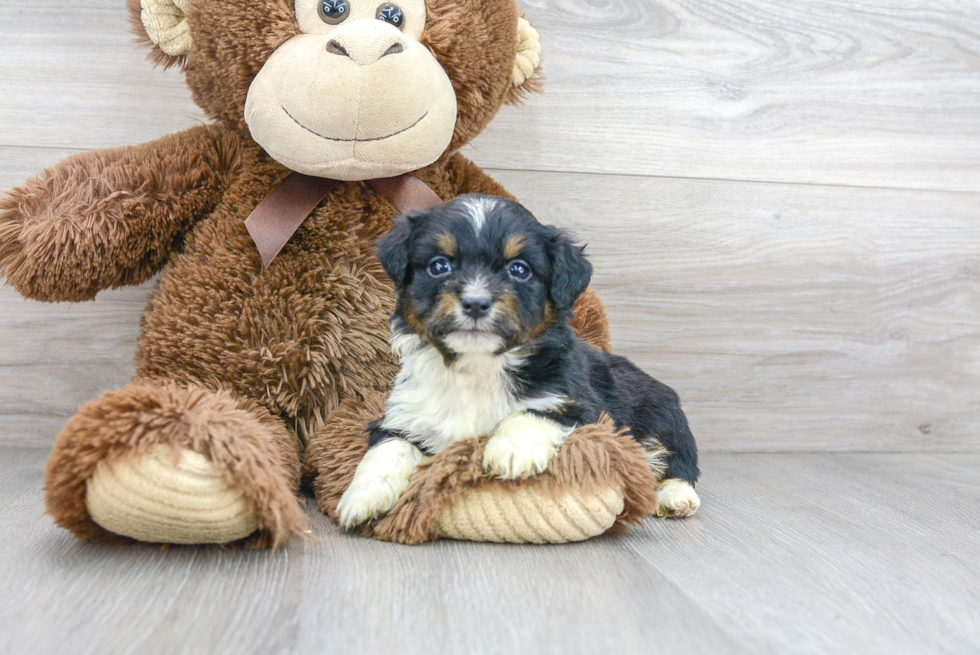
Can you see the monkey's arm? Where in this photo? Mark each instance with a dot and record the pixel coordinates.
(589, 320)
(110, 218)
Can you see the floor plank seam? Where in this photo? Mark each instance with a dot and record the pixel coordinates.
(829, 185)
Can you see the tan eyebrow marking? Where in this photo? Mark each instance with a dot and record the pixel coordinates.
(447, 242)
(514, 245)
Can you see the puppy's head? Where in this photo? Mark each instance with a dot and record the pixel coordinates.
(480, 274)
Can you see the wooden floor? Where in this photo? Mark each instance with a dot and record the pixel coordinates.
(782, 201)
(792, 553)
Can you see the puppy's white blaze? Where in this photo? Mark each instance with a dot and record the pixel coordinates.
(477, 210)
(438, 405)
(476, 287)
(523, 445)
(379, 480)
(676, 498)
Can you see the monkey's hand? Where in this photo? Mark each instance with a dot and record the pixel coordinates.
(110, 218)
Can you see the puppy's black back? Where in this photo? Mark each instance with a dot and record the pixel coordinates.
(595, 382)
(650, 409)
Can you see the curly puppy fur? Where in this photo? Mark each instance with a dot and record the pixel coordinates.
(240, 363)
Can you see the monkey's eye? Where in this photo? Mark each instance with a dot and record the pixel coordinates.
(333, 11)
(519, 270)
(440, 267)
(390, 13)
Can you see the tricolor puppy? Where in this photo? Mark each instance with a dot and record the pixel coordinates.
(481, 327)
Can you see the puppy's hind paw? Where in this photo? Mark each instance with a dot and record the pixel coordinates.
(676, 499)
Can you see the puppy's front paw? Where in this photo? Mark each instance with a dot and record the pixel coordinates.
(522, 446)
(379, 481)
(366, 500)
(676, 499)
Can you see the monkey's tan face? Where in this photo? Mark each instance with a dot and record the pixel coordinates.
(356, 96)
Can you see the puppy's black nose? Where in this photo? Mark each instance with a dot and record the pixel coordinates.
(475, 306)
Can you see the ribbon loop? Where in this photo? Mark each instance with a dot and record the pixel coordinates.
(275, 220)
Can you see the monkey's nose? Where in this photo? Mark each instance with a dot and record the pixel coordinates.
(335, 48)
(365, 47)
(476, 306)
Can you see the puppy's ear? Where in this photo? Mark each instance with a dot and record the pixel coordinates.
(570, 271)
(393, 248)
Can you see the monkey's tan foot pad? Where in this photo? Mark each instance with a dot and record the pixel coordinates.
(158, 499)
(529, 515)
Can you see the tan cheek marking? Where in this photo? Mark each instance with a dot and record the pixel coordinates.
(549, 312)
(447, 243)
(414, 324)
(514, 246)
(446, 307)
(508, 308)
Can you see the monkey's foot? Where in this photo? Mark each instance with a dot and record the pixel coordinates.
(163, 497)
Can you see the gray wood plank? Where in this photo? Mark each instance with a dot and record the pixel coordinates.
(789, 317)
(817, 92)
(55, 358)
(72, 78)
(833, 553)
(822, 91)
(789, 554)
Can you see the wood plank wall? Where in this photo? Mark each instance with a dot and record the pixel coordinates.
(782, 201)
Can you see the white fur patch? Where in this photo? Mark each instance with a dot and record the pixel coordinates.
(478, 209)
(404, 343)
(676, 498)
(379, 480)
(473, 342)
(438, 405)
(523, 445)
(476, 287)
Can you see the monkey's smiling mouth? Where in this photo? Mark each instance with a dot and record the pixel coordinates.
(376, 138)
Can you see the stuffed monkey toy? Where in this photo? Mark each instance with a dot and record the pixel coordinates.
(261, 362)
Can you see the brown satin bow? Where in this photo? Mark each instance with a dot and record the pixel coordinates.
(276, 219)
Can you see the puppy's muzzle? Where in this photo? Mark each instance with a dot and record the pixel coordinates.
(476, 307)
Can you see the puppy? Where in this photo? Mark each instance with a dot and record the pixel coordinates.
(484, 294)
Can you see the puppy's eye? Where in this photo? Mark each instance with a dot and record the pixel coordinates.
(440, 267)
(519, 270)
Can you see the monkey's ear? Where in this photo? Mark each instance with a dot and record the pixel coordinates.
(526, 76)
(570, 271)
(162, 25)
(393, 248)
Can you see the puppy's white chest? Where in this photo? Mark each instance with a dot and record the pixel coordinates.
(438, 405)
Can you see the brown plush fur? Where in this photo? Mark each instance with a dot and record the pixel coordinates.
(240, 363)
(94, 221)
(590, 322)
